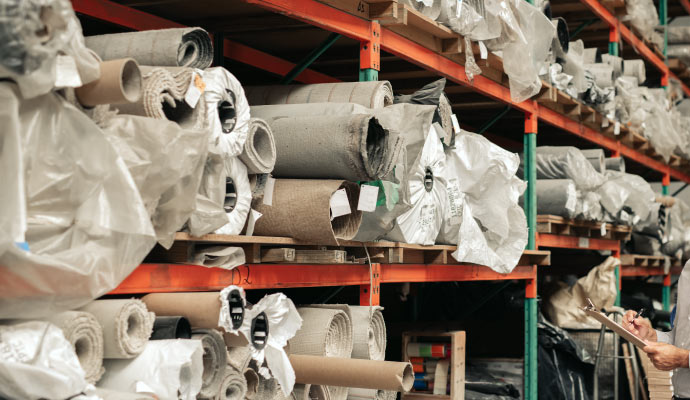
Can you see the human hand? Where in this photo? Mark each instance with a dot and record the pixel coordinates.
(640, 327)
(667, 357)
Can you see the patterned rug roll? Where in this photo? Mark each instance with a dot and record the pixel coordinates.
(214, 360)
(127, 326)
(373, 94)
(259, 154)
(368, 333)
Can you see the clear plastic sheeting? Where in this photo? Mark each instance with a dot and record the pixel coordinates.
(588, 206)
(37, 362)
(638, 204)
(566, 162)
(227, 110)
(87, 226)
(560, 80)
(573, 65)
(643, 16)
(42, 46)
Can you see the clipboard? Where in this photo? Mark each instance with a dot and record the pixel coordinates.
(592, 311)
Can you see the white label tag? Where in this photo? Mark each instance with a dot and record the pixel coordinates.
(483, 52)
(368, 196)
(602, 230)
(440, 133)
(66, 72)
(251, 221)
(455, 199)
(604, 122)
(636, 219)
(193, 93)
(583, 242)
(456, 124)
(268, 191)
(617, 128)
(340, 205)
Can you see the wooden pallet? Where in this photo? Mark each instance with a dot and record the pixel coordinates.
(641, 260)
(259, 249)
(590, 229)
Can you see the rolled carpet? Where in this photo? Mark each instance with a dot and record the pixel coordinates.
(615, 62)
(127, 326)
(85, 334)
(177, 47)
(259, 153)
(252, 379)
(591, 55)
(302, 210)
(164, 94)
(596, 157)
(372, 94)
(324, 332)
(635, 68)
(368, 333)
(602, 73)
(556, 197)
(175, 327)
(120, 82)
(370, 394)
(309, 392)
(214, 361)
(233, 386)
(615, 163)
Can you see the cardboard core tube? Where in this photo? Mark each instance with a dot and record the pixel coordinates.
(202, 309)
(258, 334)
(350, 372)
(120, 83)
(175, 327)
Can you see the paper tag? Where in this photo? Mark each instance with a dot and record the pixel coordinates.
(193, 93)
(636, 219)
(440, 132)
(583, 242)
(251, 221)
(483, 52)
(456, 124)
(340, 205)
(604, 122)
(455, 200)
(368, 196)
(617, 128)
(602, 230)
(268, 191)
(66, 72)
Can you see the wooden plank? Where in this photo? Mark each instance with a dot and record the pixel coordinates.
(457, 368)
(354, 7)
(278, 255)
(320, 256)
(628, 368)
(388, 13)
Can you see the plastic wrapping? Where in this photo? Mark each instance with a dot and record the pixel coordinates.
(170, 369)
(678, 34)
(227, 110)
(432, 94)
(613, 195)
(641, 198)
(37, 362)
(238, 212)
(573, 65)
(588, 206)
(565, 162)
(87, 227)
(42, 47)
(556, 197)
(643, 16)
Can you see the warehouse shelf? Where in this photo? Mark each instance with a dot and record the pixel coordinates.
(633, 271)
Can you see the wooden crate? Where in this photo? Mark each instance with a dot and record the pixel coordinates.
(457, 363)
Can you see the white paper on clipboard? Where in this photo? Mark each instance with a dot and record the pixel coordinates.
(614, 326)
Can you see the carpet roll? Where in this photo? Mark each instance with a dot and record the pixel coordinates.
(678, 34)
(163, 97)
(177, 47)
(636, 69)
(252, 379)
(120, 83)
(175, 327)
(602, 73)
(324, 332)
(596, 157)
(372, 94)
(615, 62)
(309, 392)
(615, 163)
(301, 210)
(591, 55)
(556, 197)
(214, 361)
(233, 386)
(127, 326)
(259, 154)
(371, 394)
(368, 333)
(85, 334)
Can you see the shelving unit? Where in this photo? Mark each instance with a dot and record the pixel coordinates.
(398, 44)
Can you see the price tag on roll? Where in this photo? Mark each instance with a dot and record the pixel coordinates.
(340, 204)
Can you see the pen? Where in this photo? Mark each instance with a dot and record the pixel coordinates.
(639, 314)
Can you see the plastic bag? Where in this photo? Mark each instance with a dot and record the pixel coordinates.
(37, 362)
(641, 197)
(87, 227)
(566, 162)
(227, 110)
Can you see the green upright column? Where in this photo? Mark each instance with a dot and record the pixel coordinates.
(613, 48)
(617, 303)
(663, 19)
(531, 346)
(368, 74)
(530, 149)
(531, 350)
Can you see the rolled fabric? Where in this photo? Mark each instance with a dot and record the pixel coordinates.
(615, 163)
(233, 386)
(432, 11)
(596, 157)
(603, 74)
(239, 357)
(120, 83)
(259, 154)
(175, 327)
(177, 47)
(127, 326)
(562, 34)
(252, 379)
(309, 392)
(227, 109)
(556, 197)
(368, 333)
(238, 197)
(678, 34)
(591, 55)
(371, 394)
(85, 334)
(324, 332)
(214, 361)
(371, 94)
(636, 69)
(615, 62)
(351, 372)
(302, 210)
(164, 97)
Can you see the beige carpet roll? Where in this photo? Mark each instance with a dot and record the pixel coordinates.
(352, 372)
(178, 47)
(214, 361)
(615, 62)
(371, 394)
(85, 334)
(163, 97)
(259, 154)
(120, 83)
(252, 379)
(368, 333)
(324, 332)
(590, 55)
(233, 386)
(301, 209)
(309, 392)
(127, 326)
(635, 68)
(372, 94)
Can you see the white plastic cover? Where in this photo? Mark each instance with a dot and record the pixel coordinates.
(169, 369)
(224, 91)
(641, 197)
(37, 362)
(238, 214)
(565, 162)
(224, 317)
(87, 227)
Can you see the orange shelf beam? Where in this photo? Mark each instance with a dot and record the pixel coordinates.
(574, 242)
(686, 5)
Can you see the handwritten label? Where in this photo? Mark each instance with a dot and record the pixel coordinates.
(368, 195)
(340, 205)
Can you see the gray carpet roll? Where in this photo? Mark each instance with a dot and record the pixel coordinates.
(556, 197)
(177, 47)
(635, 68)
(85, 334)
(368, 333)
(372, 94)
(615, 164)
(603, 74)
(615, 62)
(127, 326)
(591, 55)
(596, 157)
(259, 154)
(233, 386)
(214, 361)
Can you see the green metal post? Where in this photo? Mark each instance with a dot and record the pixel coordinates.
(666, 297)
(310, 58)
(664, 190)
(663, 21)
(617, 303)
(368, 74)
(531, 350)
(530, 148)
(613, 48)
(531, 305)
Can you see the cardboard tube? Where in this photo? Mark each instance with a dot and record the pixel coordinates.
(171, 328)
(350, 372)
(202, 309)
(120, 83)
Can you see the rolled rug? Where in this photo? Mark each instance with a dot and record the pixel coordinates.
(371, 394)
(259, 153)
(214, 361)
(227, 109)
(592, 55)
(615, 62)
(85, 334)
(164, 96)
(603, 74)
(238, 197)
(309, 392)
(636, 69)
(301, 209)
(127, 326)
(120, 83)
(596, 157)
(368, 333)
(324, 332)
(252, 379)
(556, 197)
(171, 328)
(177, 47)
(233, 386)
(615, 163)
(371, 94)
